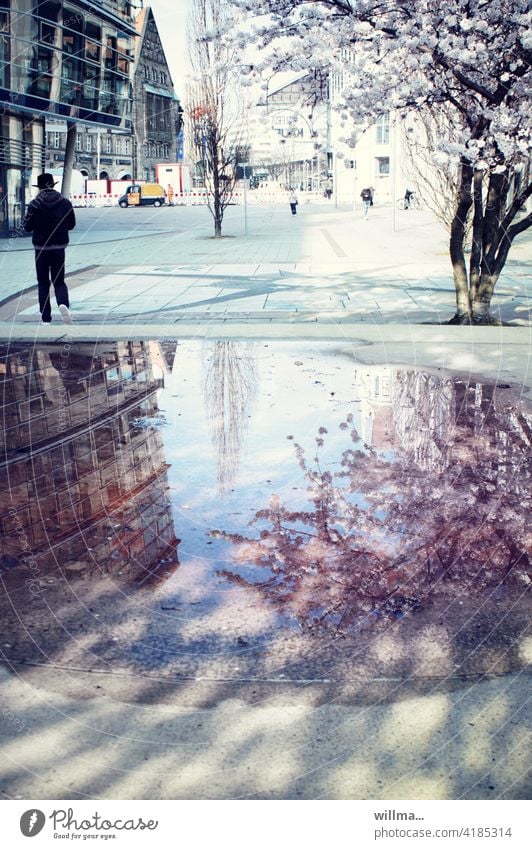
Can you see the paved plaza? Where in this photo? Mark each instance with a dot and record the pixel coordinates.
(324, 265)
(173, 417)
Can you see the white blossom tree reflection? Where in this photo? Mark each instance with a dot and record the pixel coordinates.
(444, 514)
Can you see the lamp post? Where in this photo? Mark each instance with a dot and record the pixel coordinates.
(243, 165)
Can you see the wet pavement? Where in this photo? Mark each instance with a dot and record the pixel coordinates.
(257, 513)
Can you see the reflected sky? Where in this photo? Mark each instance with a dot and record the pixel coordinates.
(168, 503)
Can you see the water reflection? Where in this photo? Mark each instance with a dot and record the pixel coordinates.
(425, 501)
(85, 472)
(397, 492)
(230, 384)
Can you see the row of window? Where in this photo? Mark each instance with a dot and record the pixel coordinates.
(120, 145)
(154, 150)
(158, 112)
(65, 57)
(154, 75)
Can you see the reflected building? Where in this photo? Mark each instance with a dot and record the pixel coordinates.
(423, 416)
(83, 460)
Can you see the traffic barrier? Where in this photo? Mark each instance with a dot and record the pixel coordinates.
(199, 197)
(93, 200)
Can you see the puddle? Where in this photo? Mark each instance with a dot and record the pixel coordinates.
(249, 510)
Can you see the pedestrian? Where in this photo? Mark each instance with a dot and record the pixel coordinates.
(170, 193)
(328, 189)
(292, 200)
(409, 194)
(49, 218)
(367, 198)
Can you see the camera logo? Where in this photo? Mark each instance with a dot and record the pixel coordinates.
(32, 822)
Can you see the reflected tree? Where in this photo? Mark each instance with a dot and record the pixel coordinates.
(441, 515)
(230, 385)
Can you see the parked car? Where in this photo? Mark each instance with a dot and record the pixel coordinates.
(148, 194)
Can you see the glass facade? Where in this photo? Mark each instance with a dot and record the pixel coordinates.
(69, 60)
(21, 157)
(65, 60)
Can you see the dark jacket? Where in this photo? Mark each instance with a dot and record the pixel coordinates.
(49, 217)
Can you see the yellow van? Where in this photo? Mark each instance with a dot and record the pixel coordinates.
(149, 194)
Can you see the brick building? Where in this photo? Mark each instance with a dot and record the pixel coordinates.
(156, 107)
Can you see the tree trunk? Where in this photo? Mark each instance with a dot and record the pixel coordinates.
(481, 303)
(476, 243)
(456, 245)
(70, 152)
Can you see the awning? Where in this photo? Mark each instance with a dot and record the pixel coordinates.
(162, 92)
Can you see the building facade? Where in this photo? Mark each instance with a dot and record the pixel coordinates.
(69, 61)
(288, 135)
(101, 153)
(150, 138)
(156, 108)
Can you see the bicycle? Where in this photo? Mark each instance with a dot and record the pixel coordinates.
(412, 203)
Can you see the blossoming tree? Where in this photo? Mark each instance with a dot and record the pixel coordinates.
(467, 58)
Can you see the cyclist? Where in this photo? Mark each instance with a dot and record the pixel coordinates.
(409, 194)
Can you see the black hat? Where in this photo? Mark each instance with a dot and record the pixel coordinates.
(45, 181)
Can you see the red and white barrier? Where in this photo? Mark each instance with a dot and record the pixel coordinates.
(199, 197)
(94, 200)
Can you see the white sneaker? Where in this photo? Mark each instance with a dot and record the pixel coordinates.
(66, 315)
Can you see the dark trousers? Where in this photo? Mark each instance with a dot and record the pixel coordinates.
(293, 207)
(50, 267)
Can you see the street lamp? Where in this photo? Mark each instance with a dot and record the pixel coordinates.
(244, 165)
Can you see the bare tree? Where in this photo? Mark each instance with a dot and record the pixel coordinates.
(217, 129)
(230, 386)
(433, 179)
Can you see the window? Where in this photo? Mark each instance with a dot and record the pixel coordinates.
(89, 143)
(110, 52)
(48, 33)
(79, 142)
(382, 128)
(127, 146)
(57, 139)
(118, 146)
(93, 34)
(72, 28)
(382, 166)
(108, 143)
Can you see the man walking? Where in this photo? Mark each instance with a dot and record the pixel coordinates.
(367, 200)
(292, 200)
(49, 218)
